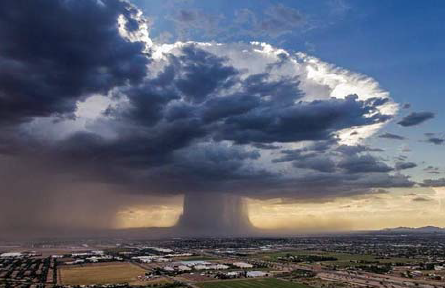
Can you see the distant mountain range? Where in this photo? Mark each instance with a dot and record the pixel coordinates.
(426, 229)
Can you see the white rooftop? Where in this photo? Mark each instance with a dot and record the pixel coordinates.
(256, 274)
(11, 254)
(242, 265)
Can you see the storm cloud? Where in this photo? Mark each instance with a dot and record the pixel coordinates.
(84, 89)
(196, 124)
(405, 165)
(391, 136)
(415, 118)
(440, 182)
(56, 53)
(433, 139)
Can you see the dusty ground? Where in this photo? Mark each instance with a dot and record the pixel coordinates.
(106, 273)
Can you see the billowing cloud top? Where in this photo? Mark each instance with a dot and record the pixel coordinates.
(83, 85)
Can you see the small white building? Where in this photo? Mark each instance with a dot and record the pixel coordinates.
(169, 268)
(184, 268)
(242, 265)
(11, 255)
(218, 267)
(194, 263)
(254, 274)
(179, 255)
(144, 259)
(78, 261)
(149, 259)
(93, 259)
(158, 249)
(83, 254)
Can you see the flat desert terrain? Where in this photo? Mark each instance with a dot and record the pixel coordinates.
(107, 273)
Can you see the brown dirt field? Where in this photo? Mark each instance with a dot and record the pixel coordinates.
(104, 273)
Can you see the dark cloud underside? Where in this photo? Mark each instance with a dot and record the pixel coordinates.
(391, 136)
(189, 123)
(415, 118)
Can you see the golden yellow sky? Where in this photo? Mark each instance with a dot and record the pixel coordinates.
(399, 207)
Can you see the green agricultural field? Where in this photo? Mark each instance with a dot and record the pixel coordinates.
(343, 259)
(253, 283)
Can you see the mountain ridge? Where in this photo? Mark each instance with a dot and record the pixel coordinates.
(424, 229)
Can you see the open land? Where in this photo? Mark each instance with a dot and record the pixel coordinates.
(108, 273)
(340, 261)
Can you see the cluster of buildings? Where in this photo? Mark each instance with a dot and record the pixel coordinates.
(150, 259)
(246, 274)
(215, 269)
(152, 254)
(94, 256)
(25, 268)
(186, 266)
